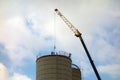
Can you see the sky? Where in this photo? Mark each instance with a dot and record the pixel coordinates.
(30, 28)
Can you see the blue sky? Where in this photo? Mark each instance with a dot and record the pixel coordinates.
(27, 29)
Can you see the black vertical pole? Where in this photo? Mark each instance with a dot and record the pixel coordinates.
(89, 57)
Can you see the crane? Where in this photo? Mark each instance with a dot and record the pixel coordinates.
(78, 34)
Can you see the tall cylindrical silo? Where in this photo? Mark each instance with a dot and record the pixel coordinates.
(53, 67)
(76, 73)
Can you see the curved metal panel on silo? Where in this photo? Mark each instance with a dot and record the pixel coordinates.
(76, 74)
(53, 67)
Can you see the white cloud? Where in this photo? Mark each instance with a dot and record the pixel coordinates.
(112, 70)
(19, 41)
(13, 32)
(17, 76)
(88, 16)
(4, 74)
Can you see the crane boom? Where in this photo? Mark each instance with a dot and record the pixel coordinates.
(78, 34)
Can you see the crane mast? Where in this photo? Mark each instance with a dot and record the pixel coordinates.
(78, 34)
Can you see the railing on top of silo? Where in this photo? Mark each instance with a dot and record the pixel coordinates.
(75, 66)
(64, 53)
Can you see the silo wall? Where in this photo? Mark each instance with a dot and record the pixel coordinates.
(53, 67)
(76, 74)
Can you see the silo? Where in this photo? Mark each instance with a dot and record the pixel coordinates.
(76, 73)
(53, 67)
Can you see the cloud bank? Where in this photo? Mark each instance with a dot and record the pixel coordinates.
(4, 75)
(27, 29)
